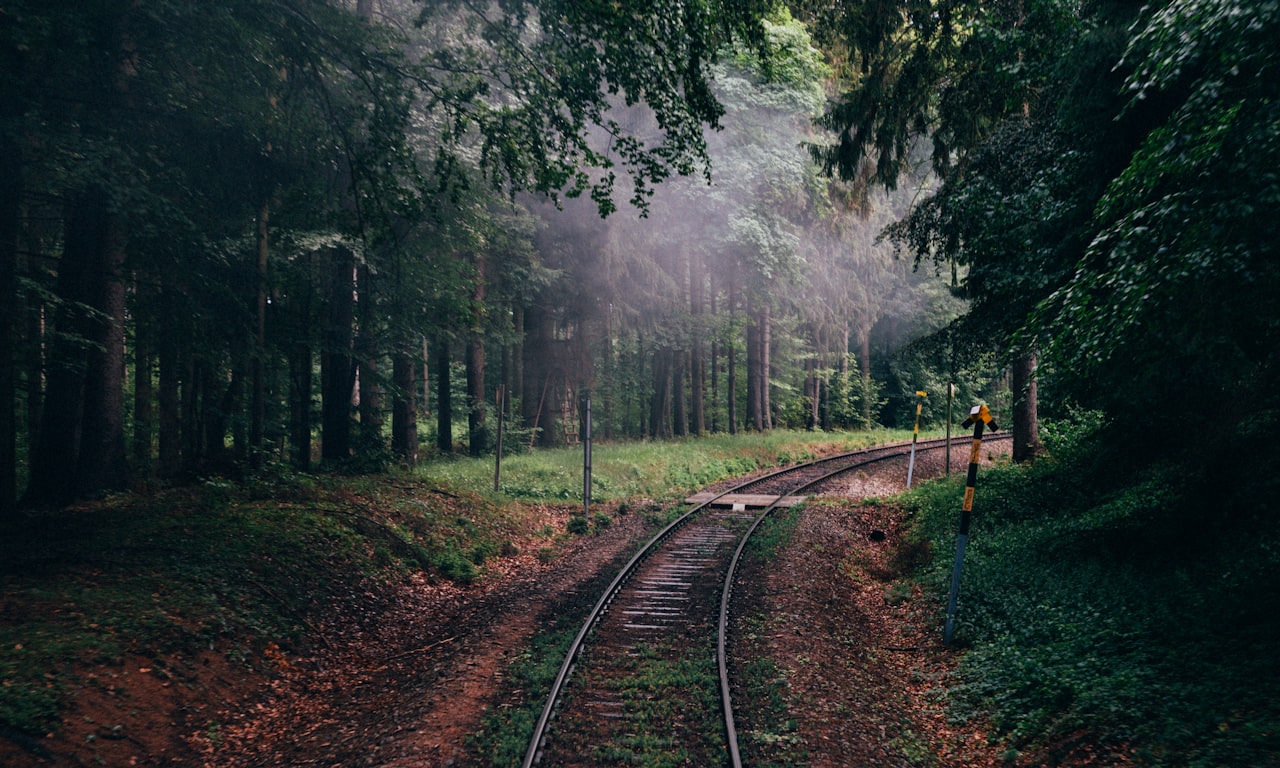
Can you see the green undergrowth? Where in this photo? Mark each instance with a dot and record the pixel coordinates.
(635, 470)
(1118, 603)
(671, 703)
(236, 569)
(504, 737)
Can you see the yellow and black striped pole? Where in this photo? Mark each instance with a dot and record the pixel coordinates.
(979, 418)
(915, 435)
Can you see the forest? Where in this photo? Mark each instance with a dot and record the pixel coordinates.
(296, 242)
(265, 234)
(341, 236)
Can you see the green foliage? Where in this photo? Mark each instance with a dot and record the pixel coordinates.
(1111, 603)
(663, 686)
(1067, 436)
(1104, 168)
(773, 533)
(1179, 281)
(537, 136)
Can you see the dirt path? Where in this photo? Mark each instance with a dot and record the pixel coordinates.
(408, 691)
(857, 645)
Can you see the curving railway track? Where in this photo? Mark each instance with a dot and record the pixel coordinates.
(648, 673)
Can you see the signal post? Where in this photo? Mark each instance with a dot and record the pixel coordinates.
(979, 419)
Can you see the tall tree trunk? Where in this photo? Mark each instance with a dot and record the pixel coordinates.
(753, 379)
(258, 408)
(368, 360)
(404, 408)
(103, 465)
(54, 460)
(192, 416)
(1026, 432)
(697, 353)
(82, 443)
(219, 404)
(731, 385)
(632, 395)
(170, 416)
(864, 371)
(300, 403)
(811, 393)
(543, 379)
(10, 213)
(143, 393)
(679, 409)
(607, 416)
(766, 365)
(660, 403)
(35, 316)
(426, 378)
(233, 410)
(515, 376)
(337, 371)
(758, 370)
(444, 399)
(34, 366)
(713, 362)
(477, 430)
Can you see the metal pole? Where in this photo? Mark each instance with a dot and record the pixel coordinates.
(586, 458)
(915, 435)
(951, 393)
(979, 417)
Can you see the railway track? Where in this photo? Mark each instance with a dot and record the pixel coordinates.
(647, 676)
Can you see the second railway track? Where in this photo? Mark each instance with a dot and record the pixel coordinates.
(647, 676)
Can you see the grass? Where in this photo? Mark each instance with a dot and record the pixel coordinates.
(640, 470)
(1112, 604)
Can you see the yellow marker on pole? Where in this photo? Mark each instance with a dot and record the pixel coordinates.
(979, 418)
(915, 434)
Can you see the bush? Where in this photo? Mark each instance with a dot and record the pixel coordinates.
(1101, 603)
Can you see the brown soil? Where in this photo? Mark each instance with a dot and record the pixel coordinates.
(858, 645)
(404, 685)
(859, 648)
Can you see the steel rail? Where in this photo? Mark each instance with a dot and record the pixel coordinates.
(538, 738)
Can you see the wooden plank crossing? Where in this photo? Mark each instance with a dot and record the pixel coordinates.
(744, 500)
